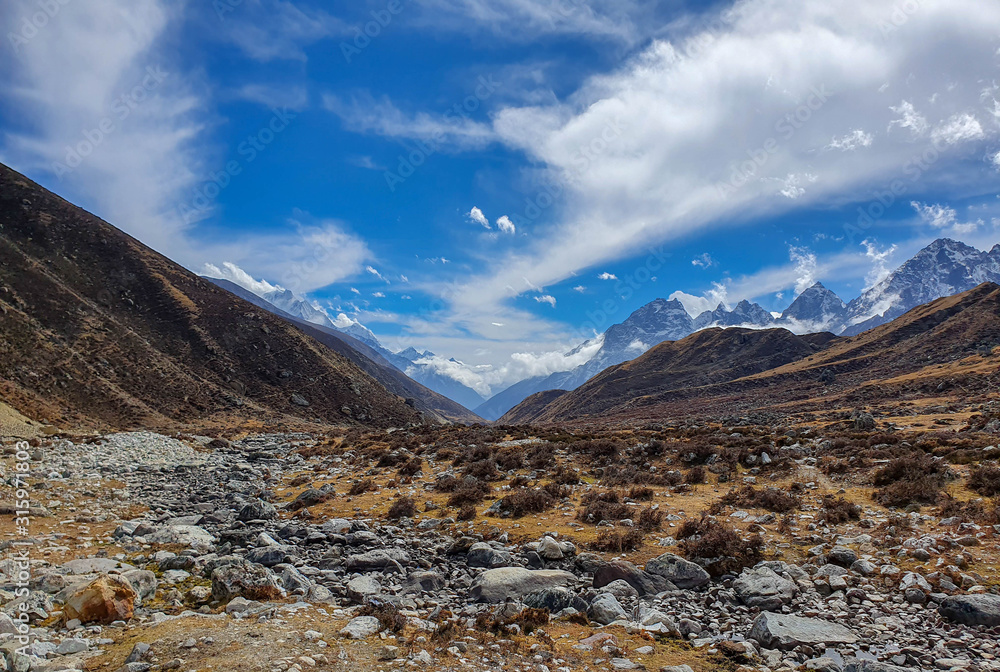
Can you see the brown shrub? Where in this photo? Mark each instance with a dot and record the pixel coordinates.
(403, 507)
(469, 491)
(565, 476)
(599, 506)
(650, 519)
(484, 470)
(411, 468)
(615, 540)
(837, 510)
(361, 487)
(726, 549)
(695, 476)
(527, 500)
(511, 458)
(770, 499)
(985, 480)
(467, 512)
(910, 480)
(641, 494)
(387, 614)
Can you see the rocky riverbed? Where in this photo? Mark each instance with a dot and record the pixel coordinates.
(157, 553)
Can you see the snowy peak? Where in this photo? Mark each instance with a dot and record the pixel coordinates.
(817, 308)
(943, 268)
(744, 314)
(658, 321)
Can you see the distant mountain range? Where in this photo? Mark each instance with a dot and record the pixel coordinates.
(415, 364)
(948, 345)
(943, 268)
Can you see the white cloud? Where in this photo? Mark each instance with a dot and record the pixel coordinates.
(805, 268)
(378, 295)
(362, 113)
(696, 305)
(268, 30)
(546, 298)
(703, 260)
(851, 141)
(995, 158)
(880, 262)
(607, 276)
(505, 225)
(910, 118)
(477, 216)
(938, 216)
(233, 273)
(374, 271)
(960, 128)
(580, 288)
(269, 96)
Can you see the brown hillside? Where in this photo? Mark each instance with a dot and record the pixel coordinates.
(96, 328)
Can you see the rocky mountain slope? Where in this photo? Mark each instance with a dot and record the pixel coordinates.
(96, 328)
(433, 406)
(914, 356)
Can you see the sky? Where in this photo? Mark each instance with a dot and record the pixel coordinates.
(498, 180)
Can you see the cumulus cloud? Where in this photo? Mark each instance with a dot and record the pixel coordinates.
(703, 260)
(938, 216)
(880, 262)
(960, 128)
(476, 215)
(852, 141)
(607, 276)
(233, 273)
(505, 225)
(909, 118)
(378, 295)
(805, 268)
(580, 288)
(710, 300)
(546, 298)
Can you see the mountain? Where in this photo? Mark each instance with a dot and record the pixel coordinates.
(97, 329)
(943, 268)
(816, 309)
(287, 303)
(657, 321)
(744, 314)
(709, 356)
(434, 406)
(947, 344)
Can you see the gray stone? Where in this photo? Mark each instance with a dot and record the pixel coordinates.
(257, 510)
(644, 582)
(606, 609)
(361, 587)
(764, 589)
(361, 627)
(865, 665)
(549, 549)
(972, 609)
(780, 631)
(483, 555)
(497, 585)
(682, 573)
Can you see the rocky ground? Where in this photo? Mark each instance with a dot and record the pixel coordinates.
(639, 550)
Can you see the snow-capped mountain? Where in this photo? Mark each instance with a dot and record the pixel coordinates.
(424, 367)
(943, 268)
(744, 314)
(816, 309)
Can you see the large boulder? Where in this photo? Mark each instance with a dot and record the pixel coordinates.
(972, 609)
(391, 560)
(419, 582)
(361, 627)
(106, 599)
(761, 587)
(865, 665)
(606, 609)
(781, 631)
(257, 510)
(555, 600)
(644, 582)
(143, 582)
(483, 555)
(184, 535)
(243, 579)
(682, 573)
(498, 585)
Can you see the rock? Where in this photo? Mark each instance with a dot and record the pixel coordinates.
(914, 595)
(388, 653)
(606, 609)
(823, 664)
(361, 627)
(644, 582)
(419, 582)
(361, 587)
(183, 535)
(972, 609)
(483, 555)
(682, 573)
(378, 560)
(763, 589)
(588, 563)
(842, 556)
(72, 645)
(864, 665)
(244, 579)
(497, 585)
(863, 421)
(310, 497)
(555, 600)
(780, 631)
(106, 599)
(549, 549)
(143, 582)
(91, 566)
(659, 620)
(257, 510)
(623, 590)
(676, 668)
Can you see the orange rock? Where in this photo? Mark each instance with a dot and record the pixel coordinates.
(105, 599)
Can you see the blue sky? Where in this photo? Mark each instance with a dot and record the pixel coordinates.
(637, 150)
